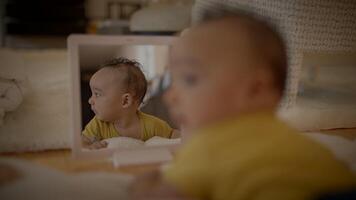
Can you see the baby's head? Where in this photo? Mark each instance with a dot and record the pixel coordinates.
(117, 89)
(225, 68)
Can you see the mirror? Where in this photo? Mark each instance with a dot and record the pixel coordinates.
(87, 53)
(328, 81)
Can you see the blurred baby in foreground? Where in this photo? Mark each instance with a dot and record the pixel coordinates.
(228, 76)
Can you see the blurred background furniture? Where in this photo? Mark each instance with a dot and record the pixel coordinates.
(41, 23)
(46, 24)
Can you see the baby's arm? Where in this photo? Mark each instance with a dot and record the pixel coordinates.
(90, 135)
(175, 134)
(152, 186)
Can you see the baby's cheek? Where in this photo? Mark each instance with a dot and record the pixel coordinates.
(196, 115)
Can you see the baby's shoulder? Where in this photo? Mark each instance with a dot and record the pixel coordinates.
(147, 118)
(154, 126)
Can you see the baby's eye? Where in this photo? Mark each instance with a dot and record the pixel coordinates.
(190, 79)
(96, 94)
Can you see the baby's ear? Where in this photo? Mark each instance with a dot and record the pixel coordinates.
(261, 85)
(127, 100)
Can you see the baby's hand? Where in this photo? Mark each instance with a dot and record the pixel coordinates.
(98, 145)
(93, 142)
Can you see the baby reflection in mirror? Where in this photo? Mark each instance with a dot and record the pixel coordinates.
(118, 89)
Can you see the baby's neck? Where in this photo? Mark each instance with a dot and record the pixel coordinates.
(128, 120)
(129, 126)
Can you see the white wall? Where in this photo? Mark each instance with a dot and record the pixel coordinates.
(153, 58)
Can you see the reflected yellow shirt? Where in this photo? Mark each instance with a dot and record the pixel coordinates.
(256, 157)
(150, 126)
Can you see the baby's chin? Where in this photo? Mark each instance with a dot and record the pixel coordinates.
(201, 123)
(178, 119)
(188, 122)
(102, 118)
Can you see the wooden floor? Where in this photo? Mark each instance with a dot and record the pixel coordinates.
(63, 161)
(347, 133)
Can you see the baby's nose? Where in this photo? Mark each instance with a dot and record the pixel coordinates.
(170, 97)
(91, 101)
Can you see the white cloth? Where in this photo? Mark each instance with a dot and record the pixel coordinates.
(343, 149)
(12, 82)
(42, 120)
(127, 142)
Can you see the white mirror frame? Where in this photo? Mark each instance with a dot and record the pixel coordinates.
(73, 43)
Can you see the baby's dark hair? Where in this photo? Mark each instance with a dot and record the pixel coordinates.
(135, 79)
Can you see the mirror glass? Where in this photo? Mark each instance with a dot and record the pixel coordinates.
(88, 54)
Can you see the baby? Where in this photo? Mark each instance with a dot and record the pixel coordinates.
(118, 89)
(228, 78)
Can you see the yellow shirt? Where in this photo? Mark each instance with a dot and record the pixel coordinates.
(256, 157)
(150, 126)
